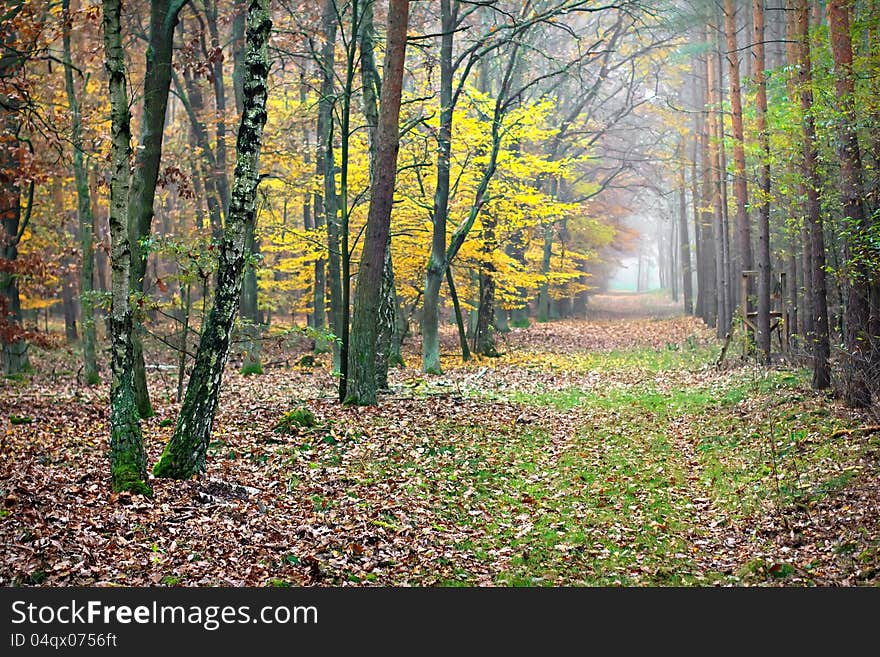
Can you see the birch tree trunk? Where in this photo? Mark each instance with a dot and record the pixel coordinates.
(184, 455)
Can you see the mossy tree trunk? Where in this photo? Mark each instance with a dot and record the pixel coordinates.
(127, 458)
(367, 324)
(185, 454)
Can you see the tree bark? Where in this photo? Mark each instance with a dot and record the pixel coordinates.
(361, 375)
(856, 271)
(740, 189)
(687, 284)
(372, 85)
(715, 173)
(763, 200)
(484, 340)
(127, 457)
(437, 261)
(709, 278)
(12, 223)
(821, 347)
(324, 205)
(84, 214)
(185, 454)
(156, 85)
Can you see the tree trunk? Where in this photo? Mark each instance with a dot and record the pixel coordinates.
(740, 189)
(12, 224)
(185, 453)
(324, 212)
(249, 308)
(437, 263)
(801, 228)
(84, 216)
(484, 340)
(387, 321)
(401, 329)
(327, 275)
(709, 277)
(459, 317)
(544, 289)
(687, 284)
(361, 381)
(127, 457)
(726, 291)
(763, 200)
(190, 95)
(715, 173)
(156, 85)
(856, 271)
(821, 347)
(371, 89)
(68, 302)
(699, 301)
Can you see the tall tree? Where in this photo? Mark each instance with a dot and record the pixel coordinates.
(13, 222)
(184, 455)
(714, 173)
(361, 383)
(856, 267)
(740, 190)
(821, 345)
(437, 260)
(156, 85)
(371, 89)
(127, 457)
(684, 241)
(763, 195)
(325, 205)
(84, 211)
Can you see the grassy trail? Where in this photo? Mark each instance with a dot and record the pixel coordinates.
(601, 452)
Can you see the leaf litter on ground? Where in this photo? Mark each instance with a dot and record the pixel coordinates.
(600, 452)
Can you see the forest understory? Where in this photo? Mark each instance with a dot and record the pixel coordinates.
(590, 453)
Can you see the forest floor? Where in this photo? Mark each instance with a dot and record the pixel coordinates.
(601, 452)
